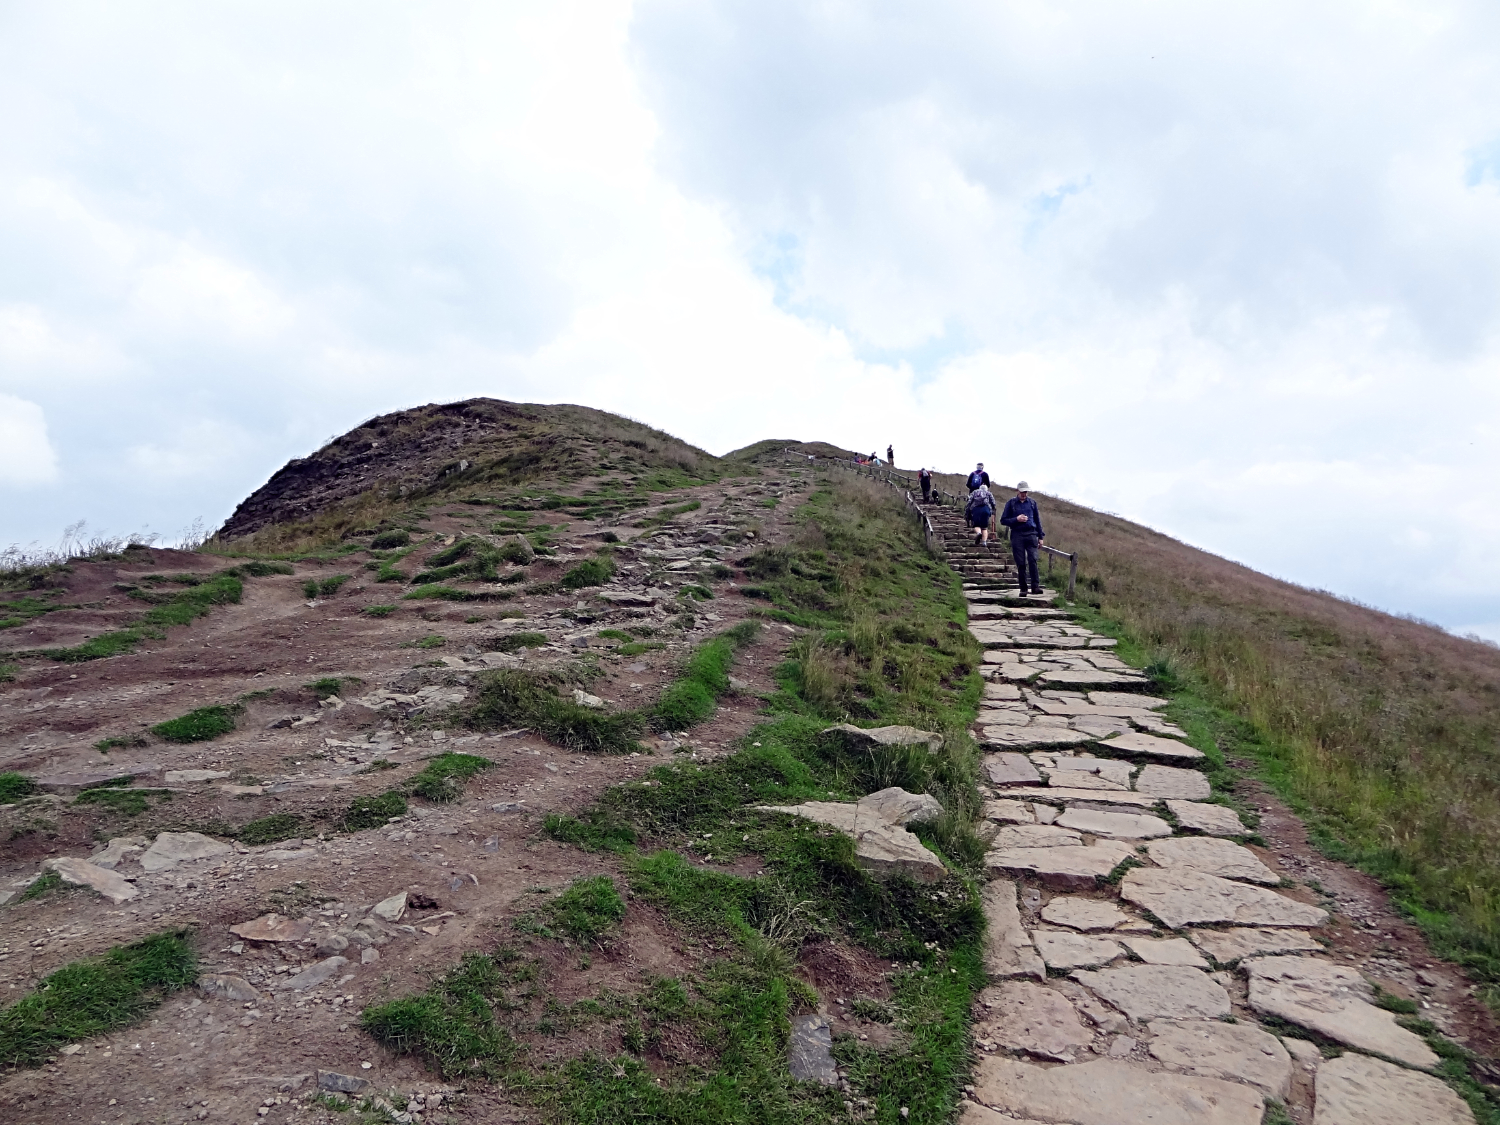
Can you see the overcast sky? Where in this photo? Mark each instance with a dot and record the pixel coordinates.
(1231, 270)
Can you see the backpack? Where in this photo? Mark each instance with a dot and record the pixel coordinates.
(979, 502)
(976, 478)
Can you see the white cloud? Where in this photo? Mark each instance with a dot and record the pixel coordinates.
(26, 455)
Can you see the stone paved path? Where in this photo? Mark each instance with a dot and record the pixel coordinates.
(1167, 996)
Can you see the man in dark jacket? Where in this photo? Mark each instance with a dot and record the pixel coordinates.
(1026, 535)
(925, 479)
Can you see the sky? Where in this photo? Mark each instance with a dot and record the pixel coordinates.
(1229, 270)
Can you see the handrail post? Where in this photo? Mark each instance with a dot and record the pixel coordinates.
(1072, 573)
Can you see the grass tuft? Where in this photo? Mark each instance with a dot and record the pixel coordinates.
(14, 786)
(443, 779)
(198, 726)
(587, 910)
(269, 829)
(372, 812)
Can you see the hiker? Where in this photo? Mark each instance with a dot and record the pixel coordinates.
(1026, 535)
(981, 513)
(890, 456)
(978, 477)
(925, 478)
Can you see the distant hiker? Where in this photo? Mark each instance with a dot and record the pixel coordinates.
(978, 477)
(981, 513)
(925, 478)
(890, 456)
(1026, 535)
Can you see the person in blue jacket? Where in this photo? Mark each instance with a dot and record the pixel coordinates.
(1026, 535)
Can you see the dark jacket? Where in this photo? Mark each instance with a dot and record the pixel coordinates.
(1014, 507)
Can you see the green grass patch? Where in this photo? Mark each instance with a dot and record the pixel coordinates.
(121, 742)
(443, 778)
(691, 698)
(431, 640)
(512, 642)
(269, 829)
(180, 609)
(372, 812)
(125, 802)
(615, 635)
(512, 698)
(14, 786)
(440, 592)
(24, 609)
(200, 725)
(589, 572)
(95, 996)
(8, 673)
(389, 539)
(325, 587)
(587, 910)
(378, 610)
(43, 884)
(331, 685)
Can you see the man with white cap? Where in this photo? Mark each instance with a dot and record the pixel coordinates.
(1026, 535)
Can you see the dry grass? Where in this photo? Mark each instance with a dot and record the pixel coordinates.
(1387, 728)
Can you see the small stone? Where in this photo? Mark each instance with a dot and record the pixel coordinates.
(1165, 951)
(332, 943)
(1083, 913)
(1062, 949)
(369, 955)
(1356, 1090)
(1010, 769)
(1035, 836)
(391, 909)
(1239, 1051)
(1228, 946)
(1121, 1046)
(1170, 781)
(172, 848)
(810, 1051)
(1151, 746)
(1211, 856)
(1065, 868)
(884, 736)
(1145, 992)
(1008, 812)
(224, 986)
(1215, 820)
(318, 973)
(334, 1082)
(1182, 896)
(81, 872)
(273, 927)
(1111, 1092)
(900, 807)
(1128, 826)
(1335, 1002)
(583, 698)
(1024, 1016)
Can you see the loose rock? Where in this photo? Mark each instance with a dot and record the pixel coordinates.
(81, 872)
(172, 848)
(810, 1051)
(273, 927)
(319, 973)
(391, 909)
(1213, 1049)
(224, 986)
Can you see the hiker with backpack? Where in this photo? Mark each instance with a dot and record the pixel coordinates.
(1026, 535)
(924, 478)
(981, 513)
(978, 477)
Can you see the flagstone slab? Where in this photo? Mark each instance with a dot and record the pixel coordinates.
(1026, 1016)
(1215, 820)
(1009, 812)
(1170, 781)
(1066, 794)
(1225, 946)
(1100, 726)
(1100, 678)
(1031, 735)
(1237, 1051)
(1008, 951)
(1165, 951)
(1084, 764)
(1084, 913)
(1358, 1090)
(1001, 692)
(1212, 856)
(1181, 897)
(1035, 836)
(1010, 769)
(1335, 1002)
(1152, 747)
(1063, 949)
(1126, 699)
(1145, 992)
(1078, 779)
(1066, 868)
(1125, 826)
(82, 873)
(1015, 715)
(1112, 1092)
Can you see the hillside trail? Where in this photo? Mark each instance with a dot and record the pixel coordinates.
(1232, 974)
(279, 1002)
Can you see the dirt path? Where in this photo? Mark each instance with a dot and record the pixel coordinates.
(472, 865)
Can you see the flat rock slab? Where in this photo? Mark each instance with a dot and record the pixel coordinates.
(336, 1083)
(900, 807)
(320, 972)
(82, 873)
(1334, 1002)
(1031, 736)
(118, 850)
(178, 777)
(1066, 868)
(1152, 747)
(810, 1051)
(1024, 1016)
(390, 909)
(885, 736)
(1083, 913)
(1181, 896)
(1165, 951)
(1225, 946)
(1112, 1092)
(1063, 949)
(226, 986)
(1123, 826)
(1145, 992)
(1126, 699)
(1008, 951)
(1357, 1090)
(1003, 692)
(1009, 812)
(1238, 1051)
(79, 780)
(1212, 856)
(1010, 769)
(172, 848)
(1080, 678)
(1215, 820)
(1172, 781)
(273, 927)
(888, 849)
(1062, 795)
(1035, 836)
(1078, 779)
